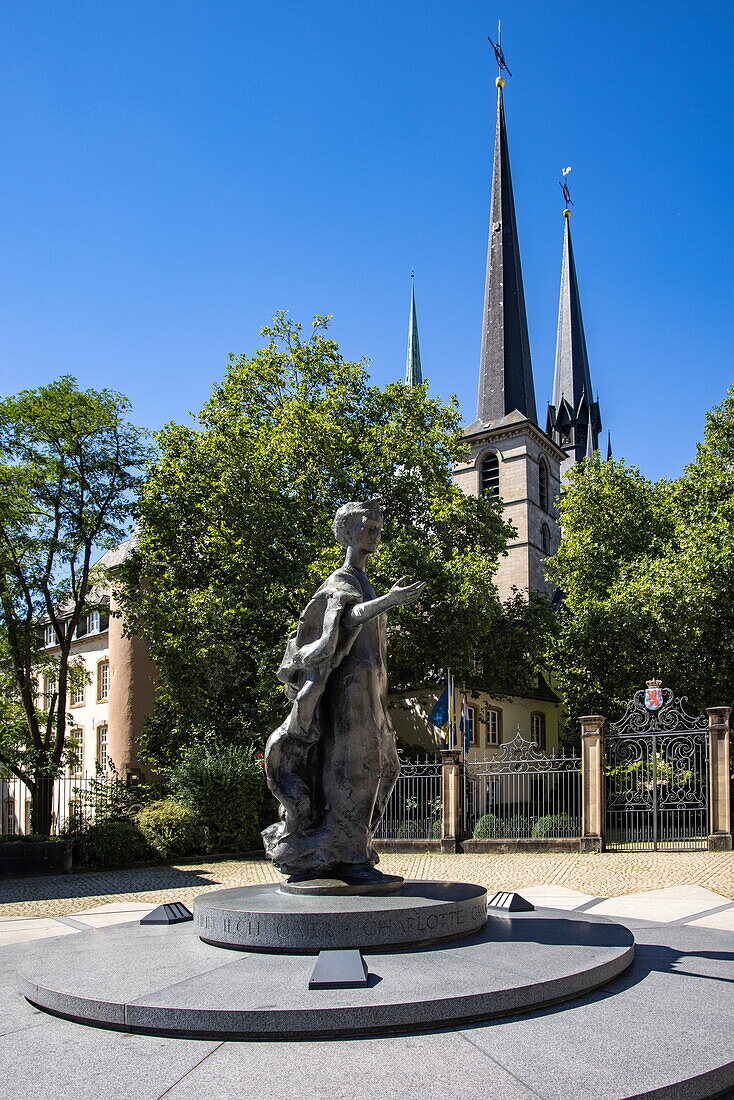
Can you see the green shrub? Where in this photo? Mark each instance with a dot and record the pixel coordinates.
(408, 830)
(555, 825)
(225, 788)
(517, 826)
(111, 844)
(172, 829)
(437, 829)
(28, 838)
(489, 827)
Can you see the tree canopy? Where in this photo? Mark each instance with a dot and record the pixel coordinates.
(235, 536)
(647, 570)
(68, 473)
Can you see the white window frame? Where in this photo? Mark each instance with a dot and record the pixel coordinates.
(493, 726)
(538, 728)
(103, 680)
(77, 734)
(94, 621)
(471, 722)
(103, 746)
(49, 635)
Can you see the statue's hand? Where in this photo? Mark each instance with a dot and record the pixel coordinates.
(400, 593)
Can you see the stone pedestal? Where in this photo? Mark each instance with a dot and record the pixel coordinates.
(720, 839)
(266, 918)
(450, 799)
(592, 783)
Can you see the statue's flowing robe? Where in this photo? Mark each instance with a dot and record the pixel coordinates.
(333, 762)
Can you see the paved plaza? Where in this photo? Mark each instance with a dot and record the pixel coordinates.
(674, 1004)
(607, 875)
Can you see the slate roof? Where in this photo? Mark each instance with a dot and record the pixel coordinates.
(505, 373)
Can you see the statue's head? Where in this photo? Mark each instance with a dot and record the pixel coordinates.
(359, 524)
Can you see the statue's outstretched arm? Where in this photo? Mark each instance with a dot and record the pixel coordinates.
(396, 597)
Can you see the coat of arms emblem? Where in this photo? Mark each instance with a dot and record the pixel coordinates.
(654, 695)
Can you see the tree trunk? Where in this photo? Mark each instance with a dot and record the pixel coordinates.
(42, 794)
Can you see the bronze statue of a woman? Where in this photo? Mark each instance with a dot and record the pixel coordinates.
(333, 762)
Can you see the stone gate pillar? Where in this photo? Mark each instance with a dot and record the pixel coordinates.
(450, 799)
(719, 781)
(592, 783)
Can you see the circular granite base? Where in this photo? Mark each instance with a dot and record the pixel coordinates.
(267, 918)
(158, 979)
(312, 887)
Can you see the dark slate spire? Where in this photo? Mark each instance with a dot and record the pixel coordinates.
(505, 373)
(609, 446)
(413, 372)
(574, 421)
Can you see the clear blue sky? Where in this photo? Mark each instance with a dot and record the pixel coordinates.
(174, 172)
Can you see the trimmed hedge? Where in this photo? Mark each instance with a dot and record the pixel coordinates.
(555, 825)
(225, 788)
(111, 844)
(172, 829)
(489, 827)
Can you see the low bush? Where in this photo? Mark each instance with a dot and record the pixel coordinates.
(111, 844)
(172, 829)
(408, 830)
(489, 827)
(225, 787)
(28, 838)
(517, 826)
(555, 825)
(437, 829)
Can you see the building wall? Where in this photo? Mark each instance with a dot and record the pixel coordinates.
(409, 713)
(132, 694)
(90, 651)
(130, 697)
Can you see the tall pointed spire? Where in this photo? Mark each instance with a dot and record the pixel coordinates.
(505, 373)
(609, 446)
(574, 420)
(413, 372)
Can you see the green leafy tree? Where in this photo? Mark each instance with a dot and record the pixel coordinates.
(235, 536)
(647, 570)
(68, 462)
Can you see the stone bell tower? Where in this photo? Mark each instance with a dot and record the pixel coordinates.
(511, 457)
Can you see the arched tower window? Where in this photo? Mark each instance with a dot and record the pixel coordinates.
(543, 485)
(489, 476)
(545, 538)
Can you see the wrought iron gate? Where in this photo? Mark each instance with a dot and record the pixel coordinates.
(656, 767)
(521, 793)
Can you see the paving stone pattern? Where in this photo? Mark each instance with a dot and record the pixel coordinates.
(602, 875)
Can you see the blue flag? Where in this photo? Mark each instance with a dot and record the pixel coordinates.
(439, 716)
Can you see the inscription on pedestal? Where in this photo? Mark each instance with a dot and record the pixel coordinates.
(440, 911)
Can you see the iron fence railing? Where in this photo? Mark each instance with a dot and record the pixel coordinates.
(413, 811)
(521, 793)
(76, 800)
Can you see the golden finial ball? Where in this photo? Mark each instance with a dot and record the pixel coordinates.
(567, 213)
(500, 82)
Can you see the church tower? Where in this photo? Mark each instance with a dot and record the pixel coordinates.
(574, 420)
(413, 372)
(511, 457)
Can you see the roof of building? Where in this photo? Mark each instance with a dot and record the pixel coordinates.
(573, 415)
(413, 371)
(505, 373)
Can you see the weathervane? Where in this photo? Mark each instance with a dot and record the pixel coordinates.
(501, 63)
(566, 193)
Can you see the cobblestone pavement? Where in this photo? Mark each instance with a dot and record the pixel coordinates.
(610, 874)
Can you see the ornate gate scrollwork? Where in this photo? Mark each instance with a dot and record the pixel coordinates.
(656, 767)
